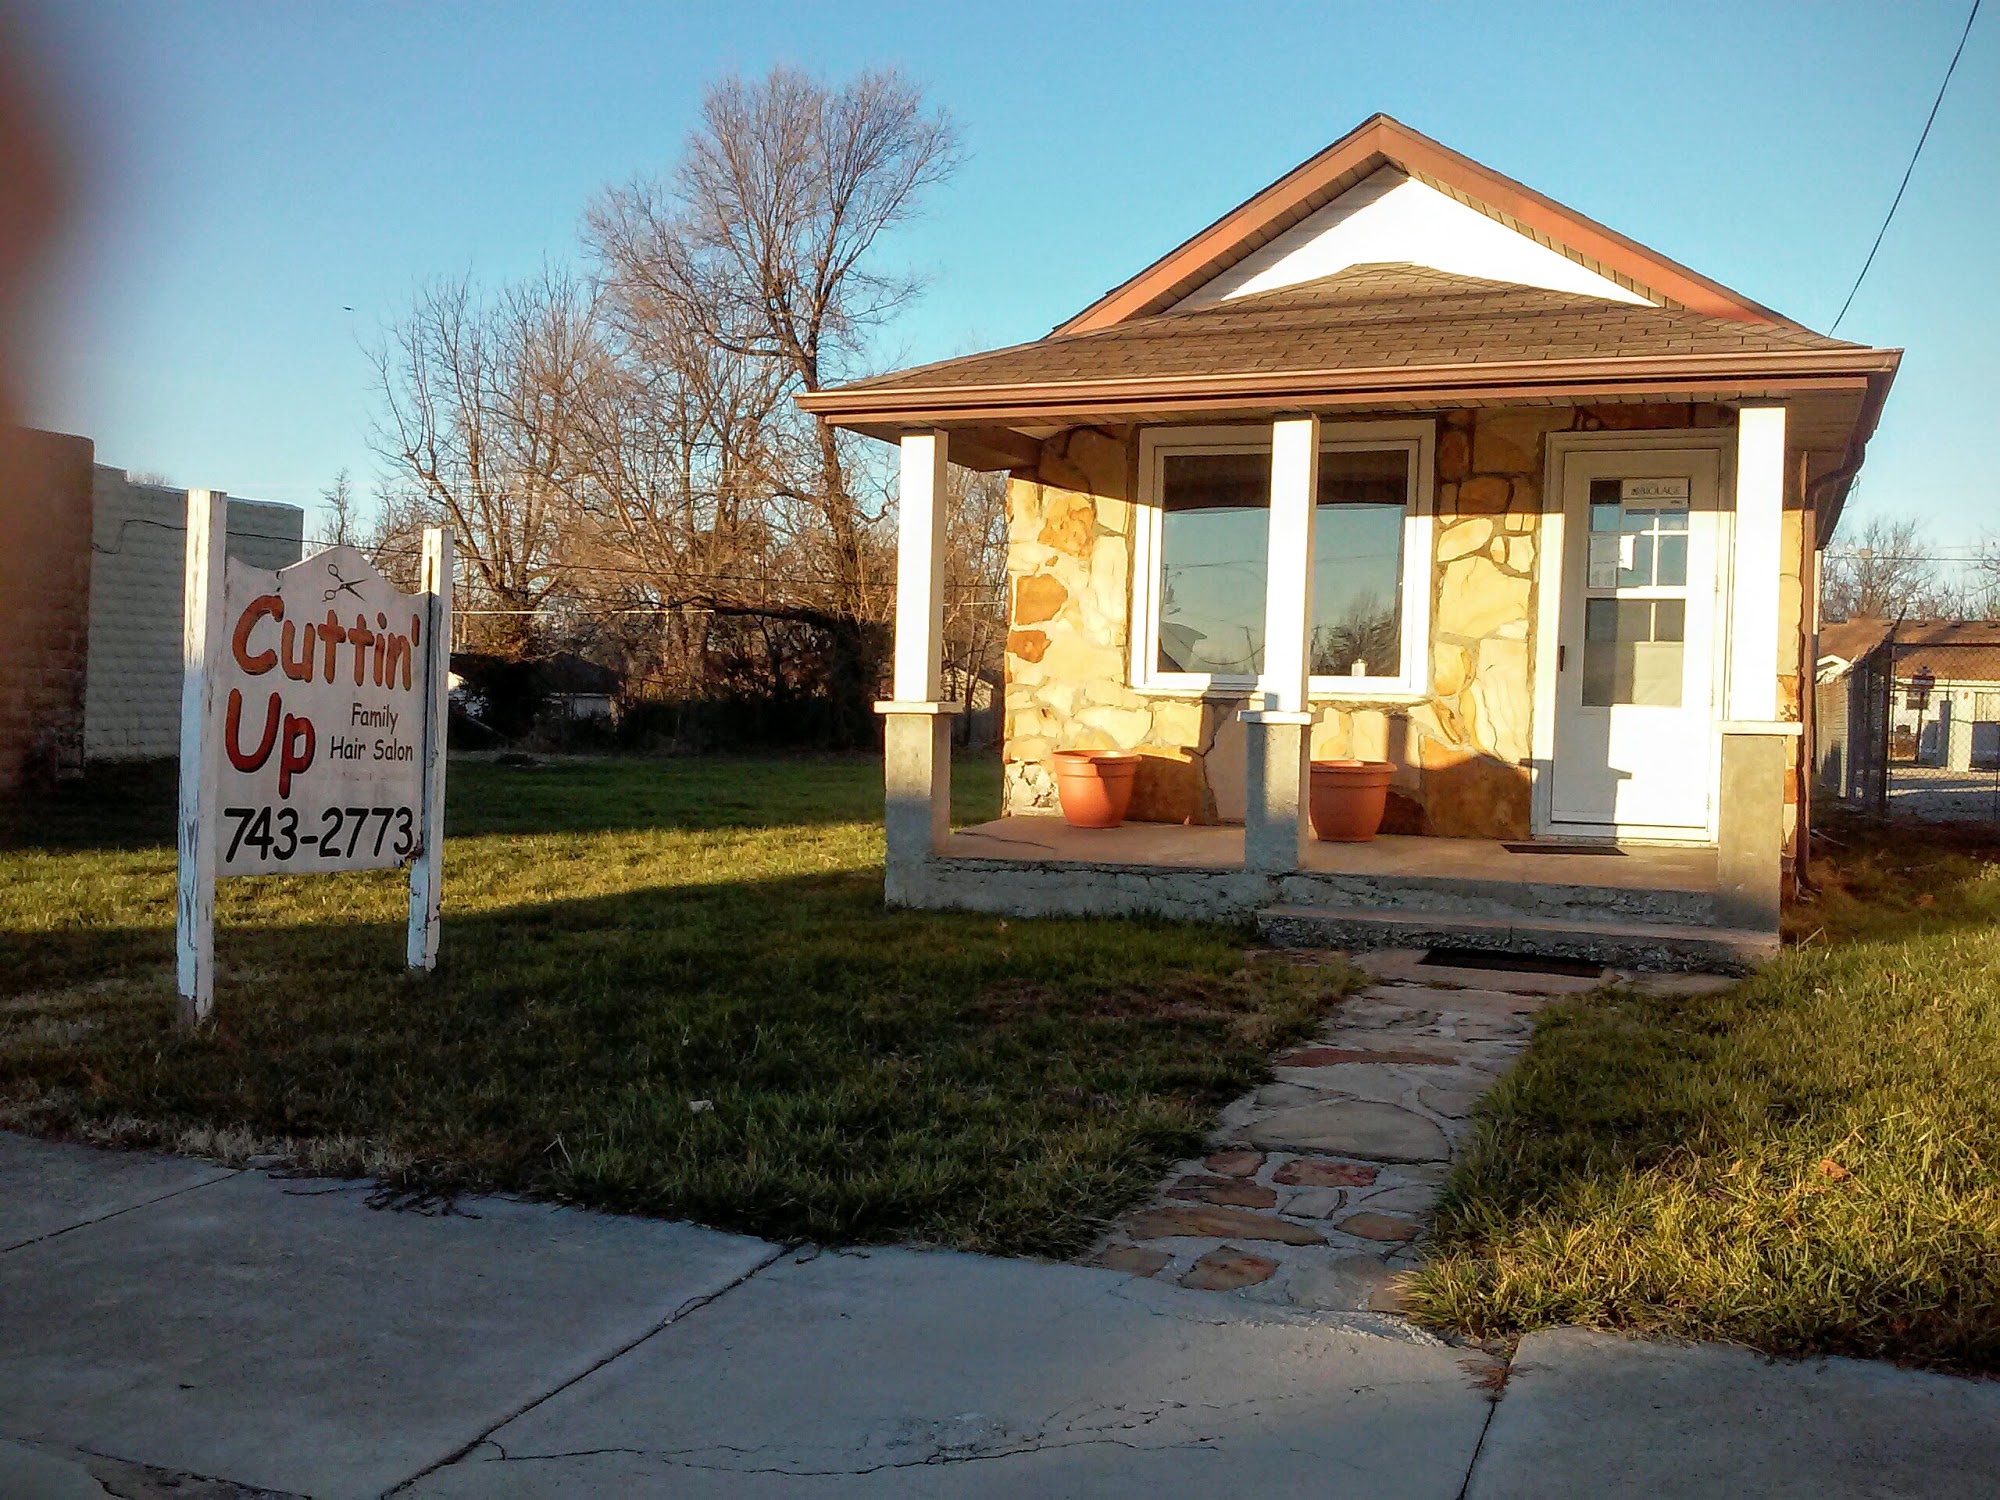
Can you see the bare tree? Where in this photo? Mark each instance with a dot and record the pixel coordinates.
(479, 398)
(339, 525)
(761, 245)
(1982, 582)
(1887, 572)
(974, 582)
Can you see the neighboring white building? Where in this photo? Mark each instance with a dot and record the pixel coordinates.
(132, 690)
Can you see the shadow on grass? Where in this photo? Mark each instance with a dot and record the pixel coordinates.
(780, 1056)
(132, 806)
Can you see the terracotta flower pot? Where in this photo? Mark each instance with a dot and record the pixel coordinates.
(1347, 798)
(1095, 786)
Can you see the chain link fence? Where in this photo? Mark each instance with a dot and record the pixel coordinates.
(1908, 725)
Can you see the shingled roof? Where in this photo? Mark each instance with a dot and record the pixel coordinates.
(1385, 336)
(1368, 317)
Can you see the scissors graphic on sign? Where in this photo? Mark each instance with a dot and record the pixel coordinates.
(341, 585)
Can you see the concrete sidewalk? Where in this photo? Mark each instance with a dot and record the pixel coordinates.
(170, 1327)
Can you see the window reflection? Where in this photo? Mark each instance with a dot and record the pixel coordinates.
(1214, 538)
(1633, 652)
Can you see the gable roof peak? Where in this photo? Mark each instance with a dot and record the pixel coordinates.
(1383, 141)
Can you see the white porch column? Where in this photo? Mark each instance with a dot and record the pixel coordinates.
(1756, 748)
(1280, 729)
(1755, 563)
(916, 729)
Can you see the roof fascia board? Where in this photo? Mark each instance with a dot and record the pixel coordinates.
(1260, 405)
(1799, 369)
(1381, 141)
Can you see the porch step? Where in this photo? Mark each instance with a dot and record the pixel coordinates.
(1636, 945)
(1514, 899)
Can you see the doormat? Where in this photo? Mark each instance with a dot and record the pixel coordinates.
(1511, 963)
(1563, 849)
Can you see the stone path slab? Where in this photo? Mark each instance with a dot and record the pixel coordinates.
(912, 1373)
(1359, 1127)
(1593, 1414)
(1333, 1169)
(287, 1336)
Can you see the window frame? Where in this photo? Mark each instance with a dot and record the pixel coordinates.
(1416, 438)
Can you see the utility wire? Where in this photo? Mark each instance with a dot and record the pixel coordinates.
(1930, 120)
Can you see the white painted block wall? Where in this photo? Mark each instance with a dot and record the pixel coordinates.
(132, 690)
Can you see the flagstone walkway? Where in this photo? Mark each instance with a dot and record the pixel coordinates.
(1319, 1186)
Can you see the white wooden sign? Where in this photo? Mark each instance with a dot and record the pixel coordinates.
(313, 714)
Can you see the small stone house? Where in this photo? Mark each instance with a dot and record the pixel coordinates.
(1397, 460)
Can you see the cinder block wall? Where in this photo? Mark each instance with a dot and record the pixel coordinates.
(45, 480)
(137, 578)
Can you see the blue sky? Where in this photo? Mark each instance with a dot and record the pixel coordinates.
(254, 170)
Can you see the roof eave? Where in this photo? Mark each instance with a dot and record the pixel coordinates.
(1800, 370)
(1840, 484)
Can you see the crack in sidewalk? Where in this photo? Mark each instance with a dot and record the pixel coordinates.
(227, 1174)
(1492, 1407)
(693, 1304)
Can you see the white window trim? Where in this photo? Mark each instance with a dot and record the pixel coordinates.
(1412, 684)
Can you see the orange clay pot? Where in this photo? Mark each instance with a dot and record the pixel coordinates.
(1095, 786)
(1347, 798)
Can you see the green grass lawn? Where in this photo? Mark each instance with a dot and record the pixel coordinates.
(1808, 1162)
(624, 940)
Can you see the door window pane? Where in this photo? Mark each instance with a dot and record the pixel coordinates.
(1638, 546)
(1673, 572)
(1636, 566)
(1633, 652)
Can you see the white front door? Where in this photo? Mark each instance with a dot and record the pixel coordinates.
(1635, 735)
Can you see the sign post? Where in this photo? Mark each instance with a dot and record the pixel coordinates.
(427, 869)
(201, 627)
(313, 718)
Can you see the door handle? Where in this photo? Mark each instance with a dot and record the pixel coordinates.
(1562, 656)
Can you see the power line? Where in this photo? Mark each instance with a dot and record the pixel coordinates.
(1930, 120)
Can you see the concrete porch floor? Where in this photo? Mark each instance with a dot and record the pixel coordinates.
(1173, 846)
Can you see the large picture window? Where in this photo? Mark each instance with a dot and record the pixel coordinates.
(1200, 600)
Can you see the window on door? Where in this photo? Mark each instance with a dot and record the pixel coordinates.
(1635, 615)
(1200, 601)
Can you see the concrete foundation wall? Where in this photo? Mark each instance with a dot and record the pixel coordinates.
(137, 579)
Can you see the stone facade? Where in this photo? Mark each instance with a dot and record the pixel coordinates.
(1461, 749)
